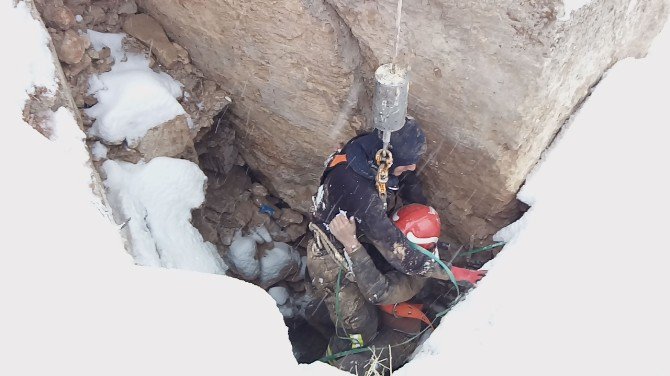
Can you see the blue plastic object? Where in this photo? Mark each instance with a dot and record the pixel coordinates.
(266, 209)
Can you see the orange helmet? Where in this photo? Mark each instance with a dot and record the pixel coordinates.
(420, 224)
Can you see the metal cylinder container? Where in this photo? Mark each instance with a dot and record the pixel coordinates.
(389, 103)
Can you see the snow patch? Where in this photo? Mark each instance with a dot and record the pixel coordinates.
(318, 199)
(110, 40)
(276, 259)
(155, 201)
(99, 151)
(279, 294)
(132, 98)
(570, 6)
(242, 254)
(32, 65)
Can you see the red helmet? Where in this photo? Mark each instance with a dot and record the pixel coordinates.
(420, 224)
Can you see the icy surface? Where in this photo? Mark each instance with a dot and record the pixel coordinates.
(580, 288)
(242, 254)
(132, 98)
(155, 199)
(73, 302)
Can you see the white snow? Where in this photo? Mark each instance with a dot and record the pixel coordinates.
(99, 151)
(570, 6)
(132, 98)
(113, 41)
(73, 302)
(276, 259)
(581, 287)
(78, 18)
(34, 68)
(318, 199)
(155, 199)
(242, 253)
(260, 234)
(263, 233)
(279, 294)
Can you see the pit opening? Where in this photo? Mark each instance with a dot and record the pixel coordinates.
(261, 238)
(238, 205)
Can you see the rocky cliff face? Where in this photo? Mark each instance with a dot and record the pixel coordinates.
(492, 82)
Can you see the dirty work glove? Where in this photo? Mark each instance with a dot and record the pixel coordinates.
(467, 275)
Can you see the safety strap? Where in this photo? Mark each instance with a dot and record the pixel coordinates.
(406, 310)
(337, 159)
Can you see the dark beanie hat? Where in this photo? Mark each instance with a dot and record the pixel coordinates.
(408, 143)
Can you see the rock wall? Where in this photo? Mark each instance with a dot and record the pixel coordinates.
(492, 82)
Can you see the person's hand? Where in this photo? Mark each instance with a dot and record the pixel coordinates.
(467, 275)
(344, 231)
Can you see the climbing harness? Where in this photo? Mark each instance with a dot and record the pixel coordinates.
(337, 159)
(384, 159)
(406, 310)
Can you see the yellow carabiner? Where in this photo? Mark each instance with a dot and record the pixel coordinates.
(384, 159)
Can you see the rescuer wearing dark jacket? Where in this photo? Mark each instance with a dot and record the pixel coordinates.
(349, 186)
(385, 269)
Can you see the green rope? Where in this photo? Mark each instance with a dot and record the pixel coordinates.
(482, 249)
(328, 358)
(439, 262)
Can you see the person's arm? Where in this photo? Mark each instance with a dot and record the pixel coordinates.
(388, 239)
(460, 274)
(390, 288)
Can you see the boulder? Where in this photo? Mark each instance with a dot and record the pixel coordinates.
(95, 15)
(295, 231)
(71, 47)
(166, 140)
(73, 70)
(207, 230)
(226, 235)
(151, 33)
(258, 190)
(289, 216)
(128, 7)
(58, 16)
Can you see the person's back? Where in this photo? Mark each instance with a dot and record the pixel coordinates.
(349, 187)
